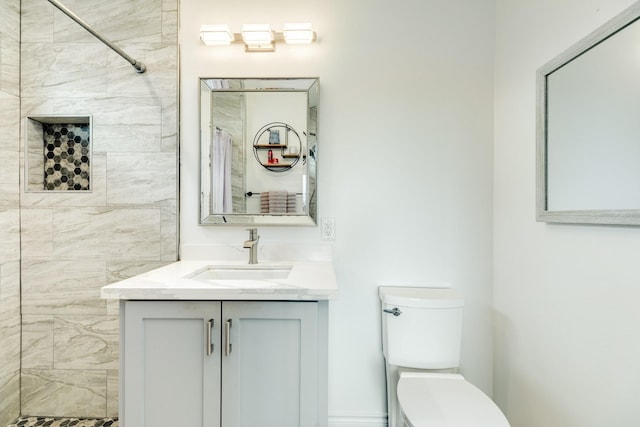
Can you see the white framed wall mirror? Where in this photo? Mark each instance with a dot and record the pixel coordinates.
(258, 151)
(588, 128)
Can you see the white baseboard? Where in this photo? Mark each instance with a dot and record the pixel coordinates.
(351, 419)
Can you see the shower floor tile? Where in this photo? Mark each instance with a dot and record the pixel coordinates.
(64, 422)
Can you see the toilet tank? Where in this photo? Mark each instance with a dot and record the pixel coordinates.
(426, 329)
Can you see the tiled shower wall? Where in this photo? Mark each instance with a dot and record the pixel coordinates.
(9, 211)
(73, 243)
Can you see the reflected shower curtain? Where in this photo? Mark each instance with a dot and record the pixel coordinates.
(221, 173)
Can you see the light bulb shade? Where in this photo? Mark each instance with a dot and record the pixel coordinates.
(216, 35)
(257, 35)
(300, 33)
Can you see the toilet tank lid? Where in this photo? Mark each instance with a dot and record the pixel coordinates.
(403, 296)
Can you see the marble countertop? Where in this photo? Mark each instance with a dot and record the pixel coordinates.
(307, 280)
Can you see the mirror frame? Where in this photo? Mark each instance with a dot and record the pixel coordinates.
(247, 219)
(543, 214)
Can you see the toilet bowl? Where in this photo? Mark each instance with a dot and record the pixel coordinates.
(445, 400)
(421, 335)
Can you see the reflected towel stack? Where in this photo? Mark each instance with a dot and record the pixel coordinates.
(264, 202)
(291, 203)
(277, 202)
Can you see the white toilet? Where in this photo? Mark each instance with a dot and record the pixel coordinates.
(421, 332)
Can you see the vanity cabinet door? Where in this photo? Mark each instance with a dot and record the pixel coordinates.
(269, 364)
(171, 373)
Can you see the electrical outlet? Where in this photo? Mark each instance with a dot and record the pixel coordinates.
(328, 229)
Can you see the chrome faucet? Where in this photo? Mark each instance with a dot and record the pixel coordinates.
(252, 245)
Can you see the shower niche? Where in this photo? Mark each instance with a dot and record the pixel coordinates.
(58, 153)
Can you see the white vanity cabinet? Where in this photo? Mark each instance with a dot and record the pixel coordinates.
(223, 363)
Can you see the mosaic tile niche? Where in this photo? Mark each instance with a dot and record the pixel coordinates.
(59, 154)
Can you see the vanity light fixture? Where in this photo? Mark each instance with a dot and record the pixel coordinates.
(257, 37)
(216, 35)
(301, 33)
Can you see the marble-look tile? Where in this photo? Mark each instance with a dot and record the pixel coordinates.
(63, 286)
(116, 113)
(9, 196)
(125, 138)
(9, 122)
(9, 150)
(34, 164)
(169, 231)
(9, 64)
(112, 393)
(34, 159)
(169, 25)
(107, 233)
(37, 341)
(118, 270)
(169, 124)
(9, 366)
(36, 21)
(9, 397)
(141, 178)
(97, 196)
(118, 20)
(161, 76)
(9, 213)
(85, 342)
(169, 5)
(37, 232)
(9, 234)
(72, 69)
(66, 72)
(113, 307)
(10, 18)
(9, 286)
(59, 393)
(36, 106)
(10, 348)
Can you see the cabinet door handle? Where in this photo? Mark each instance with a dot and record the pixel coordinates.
(209, 341)
(228, 337)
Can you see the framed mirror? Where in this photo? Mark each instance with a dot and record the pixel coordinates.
(588, 128)
(258, 151)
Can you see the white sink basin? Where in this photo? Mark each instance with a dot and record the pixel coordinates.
(237, 272)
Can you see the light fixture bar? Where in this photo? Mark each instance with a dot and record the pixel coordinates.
(258, 37)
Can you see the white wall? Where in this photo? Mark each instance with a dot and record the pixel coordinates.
(405, 136)
(566, 296)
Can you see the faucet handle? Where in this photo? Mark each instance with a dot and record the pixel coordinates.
(253, 233)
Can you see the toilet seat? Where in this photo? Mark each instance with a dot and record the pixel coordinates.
(445, 400)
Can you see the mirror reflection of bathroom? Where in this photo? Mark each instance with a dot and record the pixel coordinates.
(258, 146)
